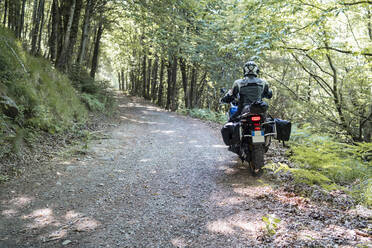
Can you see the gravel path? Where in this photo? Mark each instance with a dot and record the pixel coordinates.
(161, 180)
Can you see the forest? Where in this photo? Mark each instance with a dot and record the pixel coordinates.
(316, 56)
(59, 58)
(101, 142)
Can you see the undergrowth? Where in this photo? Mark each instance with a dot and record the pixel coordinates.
(204, 114)
(37, 98)
(324, 161)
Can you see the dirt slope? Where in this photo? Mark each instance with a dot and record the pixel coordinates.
(163, 180)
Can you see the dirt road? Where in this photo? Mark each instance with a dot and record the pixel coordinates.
(162, 180)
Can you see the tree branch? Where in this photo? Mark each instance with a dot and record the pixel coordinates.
(356, 3)
(316, 77)
(282, 83)
(326, 48)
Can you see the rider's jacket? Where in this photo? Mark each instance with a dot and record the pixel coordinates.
(250, 89)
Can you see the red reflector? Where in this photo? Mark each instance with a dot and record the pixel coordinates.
(256, 124)
(257, 129)
(256, 118)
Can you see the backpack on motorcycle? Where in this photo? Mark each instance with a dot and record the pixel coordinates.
(283, 129)
(259, 107)
(231, 133)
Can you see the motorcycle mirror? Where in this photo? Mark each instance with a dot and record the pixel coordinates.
(223, 90)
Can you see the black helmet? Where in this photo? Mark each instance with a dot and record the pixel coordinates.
(251, 68)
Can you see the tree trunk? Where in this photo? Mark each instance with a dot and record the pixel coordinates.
(96, 50)
(194, 76)
(336, 98)
(154, 78)
(35, 22)
(53, 39)
(22, 19)
(62, 59)
(144, 75)
(148, 84)
(369, 23)
(160, 92)
(90, 46)
(85, 32)
(183, 68)
(174, 84)
(169, 85)
(74, 32)
(14, 9)
(199, 93)
(122, 80)
(5, 11)
(42, 3)
(119, 80)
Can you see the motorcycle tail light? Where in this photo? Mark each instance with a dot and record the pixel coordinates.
(256, 118)
(257, 129)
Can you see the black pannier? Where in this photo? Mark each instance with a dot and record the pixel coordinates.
(231, 133)
(283, 129)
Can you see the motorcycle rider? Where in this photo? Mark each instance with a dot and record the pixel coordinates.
(250, 89)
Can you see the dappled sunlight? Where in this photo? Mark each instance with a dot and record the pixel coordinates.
(145, 160)
(71, 215)
(252, 226)
(41, 218)
(86, 224)
(238, 224)
(168, 132)
(220, 226)
(219, 146)
(142, 122)
(21, 202)
(66, 162)
(231, 201)
(308, 235)
(230, 171)
(45, 224)
(253, 191)
(9, 212)
(179, 242)
(54, 235)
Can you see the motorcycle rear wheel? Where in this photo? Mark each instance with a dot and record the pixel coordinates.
(257, 161)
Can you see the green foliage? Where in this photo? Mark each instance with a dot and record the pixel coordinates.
(271, 224)
(92, 102)
(331, 164)
(44, 96)
(3, 178)
(205, 114)
(97, 95)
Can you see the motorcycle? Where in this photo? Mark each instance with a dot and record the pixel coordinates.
(250, 136)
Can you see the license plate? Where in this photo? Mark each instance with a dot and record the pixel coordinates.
(258, 137)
